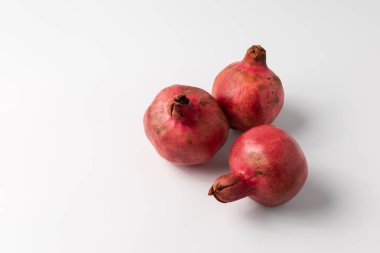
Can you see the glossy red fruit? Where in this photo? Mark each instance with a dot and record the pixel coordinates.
(249, 93)
(267, 165)
(185, 125)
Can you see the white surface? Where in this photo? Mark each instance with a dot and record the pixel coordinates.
(77, 173)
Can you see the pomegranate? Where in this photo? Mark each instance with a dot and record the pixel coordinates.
(267, 165)
(185, 125)
(249, 93)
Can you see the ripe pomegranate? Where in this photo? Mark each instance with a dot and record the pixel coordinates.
(185, 125)
(267, 165)
(248, 92)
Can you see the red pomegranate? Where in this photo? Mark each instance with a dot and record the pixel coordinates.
(185, 125)
(267, 165)
(249, 93)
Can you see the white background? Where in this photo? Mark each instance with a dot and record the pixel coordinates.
(77, 173)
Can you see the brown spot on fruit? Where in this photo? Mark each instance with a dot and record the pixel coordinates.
(159, 130)
(261, 87)
(189, 139)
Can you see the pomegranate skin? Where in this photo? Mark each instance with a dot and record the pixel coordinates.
(267, 165)
(185, 125)
(248, 92)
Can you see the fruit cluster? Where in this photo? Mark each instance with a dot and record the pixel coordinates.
(187, 126)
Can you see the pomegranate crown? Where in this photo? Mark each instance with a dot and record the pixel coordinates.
(255, 55)
(176, 106)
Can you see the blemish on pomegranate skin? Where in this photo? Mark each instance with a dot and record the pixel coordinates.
(159, 130)
(189, 140)
(261, 87)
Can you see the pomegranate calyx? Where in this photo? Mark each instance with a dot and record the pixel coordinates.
(256, 55)
(175, 107)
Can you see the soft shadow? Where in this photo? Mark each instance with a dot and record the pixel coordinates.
(217, 166)
(315, 200)
(291, 118)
